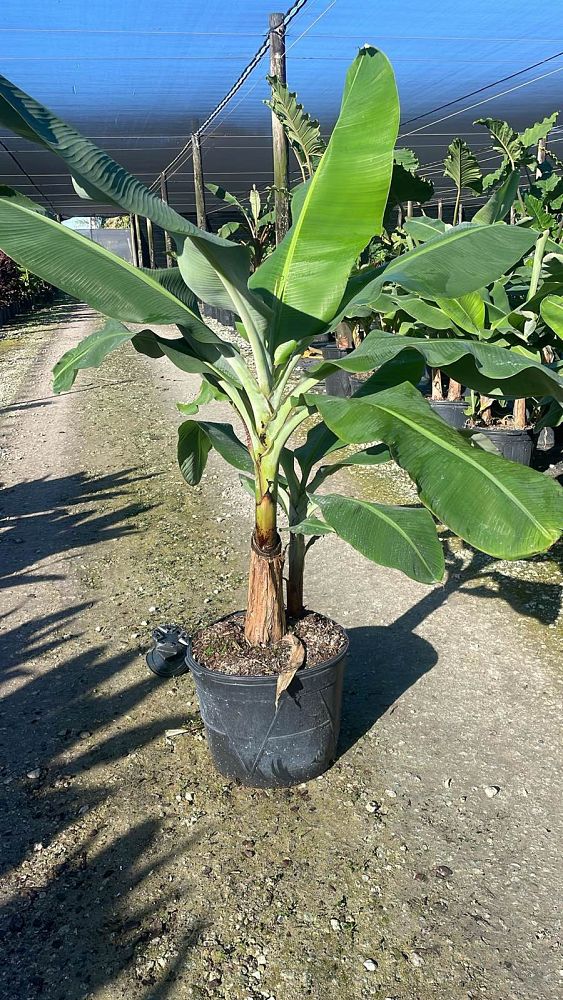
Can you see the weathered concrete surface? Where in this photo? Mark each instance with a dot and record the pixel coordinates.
(425, 864)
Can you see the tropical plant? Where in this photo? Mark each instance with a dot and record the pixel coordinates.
(304, 288)
(462, 167)
(519, 150)
(255, 228)
(303, 132)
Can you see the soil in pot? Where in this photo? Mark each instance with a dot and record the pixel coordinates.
(451, 410)
(255, 736)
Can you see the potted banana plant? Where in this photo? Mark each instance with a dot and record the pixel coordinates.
(508, 313)
(270, 682)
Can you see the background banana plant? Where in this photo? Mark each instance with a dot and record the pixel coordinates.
(304, 288)
(255, 227)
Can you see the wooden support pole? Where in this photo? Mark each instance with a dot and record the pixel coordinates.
(139, 241)
(199, 186)
(133, 240)
(279, 142)
(150, 241)
(440, 208)
(409, 209)
(167, 238)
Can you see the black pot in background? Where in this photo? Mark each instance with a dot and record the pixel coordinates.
(451, 410)
(339, 383)
(514, 444)
(264, 747)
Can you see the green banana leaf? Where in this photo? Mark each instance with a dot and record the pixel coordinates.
(467, 311)
(499, 204)
(485, 367)
(517, 513)
(402, 538)
(463, 259)
(343, 206)
(551, 311)
(91, 273)
(423, 228)
(89, 353)
(196, 438)
(214, 268)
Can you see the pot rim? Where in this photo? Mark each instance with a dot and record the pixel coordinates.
(509, 431)
(268, 679)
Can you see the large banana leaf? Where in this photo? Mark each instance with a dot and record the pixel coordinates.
(92, 351)
(502, 508)
(399, 537)
(214, 268)
(484, 367)
(463, 259)
(305, 277)
(91, 273)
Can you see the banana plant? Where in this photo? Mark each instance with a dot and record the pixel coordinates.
(513, 313)
(305, 287)
(255, 227)
(462, 167)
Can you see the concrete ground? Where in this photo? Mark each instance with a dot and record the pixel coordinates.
(425, 864)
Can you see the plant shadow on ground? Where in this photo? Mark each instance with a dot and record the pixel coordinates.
(86, 906)
(45, 518)
(384, 661)
(77, 913)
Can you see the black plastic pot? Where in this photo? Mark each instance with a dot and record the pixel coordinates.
(262, 746)
(339, 383)
(514, 444)
(451, 410)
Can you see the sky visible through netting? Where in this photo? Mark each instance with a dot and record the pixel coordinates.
(139, 78)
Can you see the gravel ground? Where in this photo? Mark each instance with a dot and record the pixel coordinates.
(424, 866)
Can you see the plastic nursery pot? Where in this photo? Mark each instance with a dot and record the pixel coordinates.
(451, 410)
(264, 747)
(517, 445)
(339, 383)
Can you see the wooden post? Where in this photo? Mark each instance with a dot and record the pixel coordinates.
(167, 238)
(440, 208)
(150, 241)
(139, 240)
(133, 239)
(400, 217)
(279, 141)
(409, 209)
(199, 187)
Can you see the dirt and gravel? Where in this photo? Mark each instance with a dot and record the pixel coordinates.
(425, 865)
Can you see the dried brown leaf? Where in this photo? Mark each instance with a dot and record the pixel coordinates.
(296, 658)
